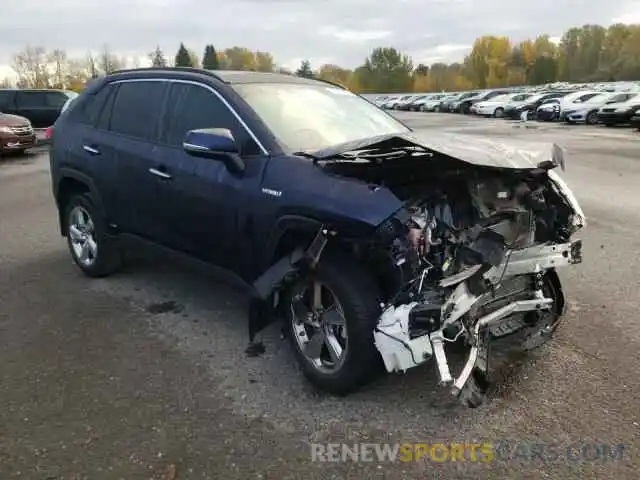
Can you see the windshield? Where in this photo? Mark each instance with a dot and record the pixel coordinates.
(603, 97)
(307, 117)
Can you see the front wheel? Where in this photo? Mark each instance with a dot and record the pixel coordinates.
(499, 113)
(331, 315)
(592, 118)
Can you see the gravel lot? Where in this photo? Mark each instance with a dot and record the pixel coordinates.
(95, 383)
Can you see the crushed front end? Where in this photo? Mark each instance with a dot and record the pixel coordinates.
(479, 254)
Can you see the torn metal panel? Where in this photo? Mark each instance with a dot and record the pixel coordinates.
(472, 150)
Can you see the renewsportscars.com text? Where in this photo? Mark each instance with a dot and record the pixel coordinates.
(501, 451)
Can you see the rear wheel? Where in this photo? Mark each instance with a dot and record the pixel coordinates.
(92, 250)
(331, 315)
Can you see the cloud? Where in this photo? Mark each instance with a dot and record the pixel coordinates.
(343, 31)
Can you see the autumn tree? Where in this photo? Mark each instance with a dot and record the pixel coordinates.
(240, 58)
(183, 58)
(264, 62)
(210, 58)
(489, 61)
(304, 70)
(387, 70)
(334, 74)
(157, 58)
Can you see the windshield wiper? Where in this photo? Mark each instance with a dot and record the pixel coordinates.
(305, 155)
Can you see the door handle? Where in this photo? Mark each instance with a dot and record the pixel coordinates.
(91, 150)
(159, 173)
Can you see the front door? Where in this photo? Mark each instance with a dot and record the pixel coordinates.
(206, 200)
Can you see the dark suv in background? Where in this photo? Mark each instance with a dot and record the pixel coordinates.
(40, 107)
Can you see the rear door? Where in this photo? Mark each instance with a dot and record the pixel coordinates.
(31, 104)
(82, 142)
(133, 137)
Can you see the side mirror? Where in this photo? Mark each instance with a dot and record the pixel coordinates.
(214, 143)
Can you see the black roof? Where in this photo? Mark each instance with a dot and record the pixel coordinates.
(233, 77)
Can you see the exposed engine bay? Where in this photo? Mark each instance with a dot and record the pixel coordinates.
(476, 260)
(473, 255)
(470, 257)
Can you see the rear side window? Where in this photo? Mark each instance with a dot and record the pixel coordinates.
(89, 111)
(191, 107)
(137, 109)
(105, 113)
(31, 99)
(55, 99)
(6, 100)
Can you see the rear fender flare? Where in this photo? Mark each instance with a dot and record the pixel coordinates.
(70, 173)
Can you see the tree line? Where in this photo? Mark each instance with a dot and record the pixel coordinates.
(583, 54)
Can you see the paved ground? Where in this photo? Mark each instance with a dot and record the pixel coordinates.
(95, 383)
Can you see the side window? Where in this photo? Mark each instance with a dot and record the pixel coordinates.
(6, 99)
(31, 99)
(137, 109)
(191, 107)
(104, 115)
(89, 111)
(55, 99)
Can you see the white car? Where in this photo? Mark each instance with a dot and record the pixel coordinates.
(404, 101)
(496, 106)
(391, 104)
(431, 103)
(587, 111)
(573, 100)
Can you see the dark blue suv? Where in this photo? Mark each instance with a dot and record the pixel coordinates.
(330, 209)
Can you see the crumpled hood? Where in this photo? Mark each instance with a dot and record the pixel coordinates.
(466, 148)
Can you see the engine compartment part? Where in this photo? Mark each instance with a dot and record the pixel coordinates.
(476, 255)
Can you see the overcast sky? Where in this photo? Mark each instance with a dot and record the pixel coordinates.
(324, 31)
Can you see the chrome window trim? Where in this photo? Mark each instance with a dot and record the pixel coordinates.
(207, 87)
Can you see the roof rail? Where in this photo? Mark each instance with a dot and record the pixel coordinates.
(169, 69)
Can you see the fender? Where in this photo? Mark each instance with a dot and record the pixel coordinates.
(66, 172)
(284, 225)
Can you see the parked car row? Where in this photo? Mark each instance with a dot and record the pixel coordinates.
(569, 104)
(24, 110)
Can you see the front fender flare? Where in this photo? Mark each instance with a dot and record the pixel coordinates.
(283, 226)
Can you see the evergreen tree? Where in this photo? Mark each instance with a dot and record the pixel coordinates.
(183, 59)
(305, 70)
(210, 58)
(157, 58)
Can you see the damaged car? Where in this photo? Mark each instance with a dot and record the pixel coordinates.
(375, 247)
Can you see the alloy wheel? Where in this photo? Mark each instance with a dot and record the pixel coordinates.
(82, 234)
(319, 326)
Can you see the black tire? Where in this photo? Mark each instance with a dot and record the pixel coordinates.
(108, 258)
(359, 297)
(465, 108)
(499, 113)
(592, 118)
